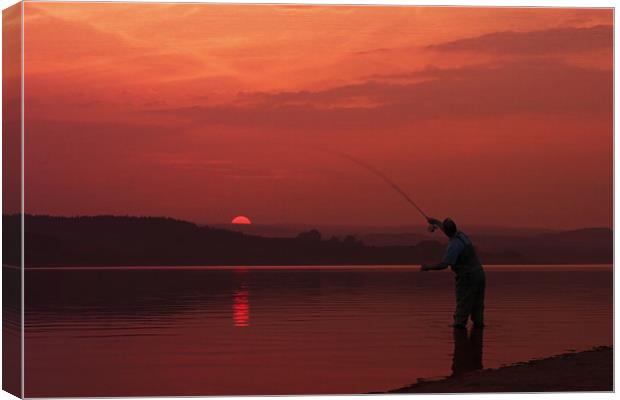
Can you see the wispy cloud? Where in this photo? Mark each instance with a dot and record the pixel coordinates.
(518, 88)
(540, 42)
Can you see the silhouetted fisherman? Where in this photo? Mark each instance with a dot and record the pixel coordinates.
(469, 280)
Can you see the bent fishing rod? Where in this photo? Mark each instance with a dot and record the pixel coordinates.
(387, 180)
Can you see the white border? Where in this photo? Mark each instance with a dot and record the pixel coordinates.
(450, 3)
(476, 3)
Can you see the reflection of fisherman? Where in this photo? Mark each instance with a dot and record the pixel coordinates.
(467, 351)
(470, 280)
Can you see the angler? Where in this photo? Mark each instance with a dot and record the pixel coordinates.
(469, 275)
(460, 256)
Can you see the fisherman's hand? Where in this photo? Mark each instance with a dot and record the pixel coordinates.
(433, 221)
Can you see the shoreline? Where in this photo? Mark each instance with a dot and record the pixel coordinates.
(490, 267)
(589, 370)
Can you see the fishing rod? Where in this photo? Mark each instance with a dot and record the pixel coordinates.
(391, 183)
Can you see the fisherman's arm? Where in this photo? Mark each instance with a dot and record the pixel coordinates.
(431, 267)
(452, 254)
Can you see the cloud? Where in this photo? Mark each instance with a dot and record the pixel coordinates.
(518, 88)
(382, 50)
(60, 50)
(542, 42)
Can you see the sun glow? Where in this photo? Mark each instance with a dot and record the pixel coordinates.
(241, 220)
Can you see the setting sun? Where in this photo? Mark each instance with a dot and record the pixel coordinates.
(241, 220)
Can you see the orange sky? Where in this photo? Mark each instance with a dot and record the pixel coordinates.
(494, 116)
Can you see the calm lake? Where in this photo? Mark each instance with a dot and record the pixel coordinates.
(293, 330)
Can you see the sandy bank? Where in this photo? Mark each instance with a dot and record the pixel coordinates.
(590, 370)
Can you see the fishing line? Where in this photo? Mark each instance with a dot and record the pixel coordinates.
(385, 179)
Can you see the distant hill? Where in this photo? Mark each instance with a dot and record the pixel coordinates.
(111, 240)
(114, 240)
(388, 235)
(394, 239)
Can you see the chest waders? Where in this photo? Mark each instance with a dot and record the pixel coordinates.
(469, 285)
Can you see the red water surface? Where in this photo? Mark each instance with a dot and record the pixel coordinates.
(293, 331)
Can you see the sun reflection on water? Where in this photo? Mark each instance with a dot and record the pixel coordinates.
(241, 308)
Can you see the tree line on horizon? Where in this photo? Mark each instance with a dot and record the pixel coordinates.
(156, 241)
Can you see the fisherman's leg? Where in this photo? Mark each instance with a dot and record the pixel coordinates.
(464, 299)
(477, 313)
(461, 355)
(476, 340)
